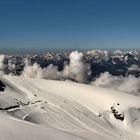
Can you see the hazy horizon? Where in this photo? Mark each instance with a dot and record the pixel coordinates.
(17, 51)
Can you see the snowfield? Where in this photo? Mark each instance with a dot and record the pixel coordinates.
(39, 109)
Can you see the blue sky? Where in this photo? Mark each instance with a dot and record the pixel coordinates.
(70, 24)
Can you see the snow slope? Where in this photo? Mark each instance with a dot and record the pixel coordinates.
(34, 108)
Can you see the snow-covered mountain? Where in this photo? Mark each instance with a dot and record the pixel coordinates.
(98, 61)
(40, 109)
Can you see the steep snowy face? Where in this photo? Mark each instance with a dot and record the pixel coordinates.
(100, 54)
(84, 111)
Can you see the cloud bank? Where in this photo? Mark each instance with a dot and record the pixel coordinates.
(76, 70)
(129, 84)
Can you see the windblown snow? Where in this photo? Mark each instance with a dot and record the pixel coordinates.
(40, 109)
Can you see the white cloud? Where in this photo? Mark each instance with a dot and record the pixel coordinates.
(2, 57)
(129, 84)
(76, 70)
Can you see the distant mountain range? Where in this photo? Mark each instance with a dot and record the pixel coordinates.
(115, 62)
